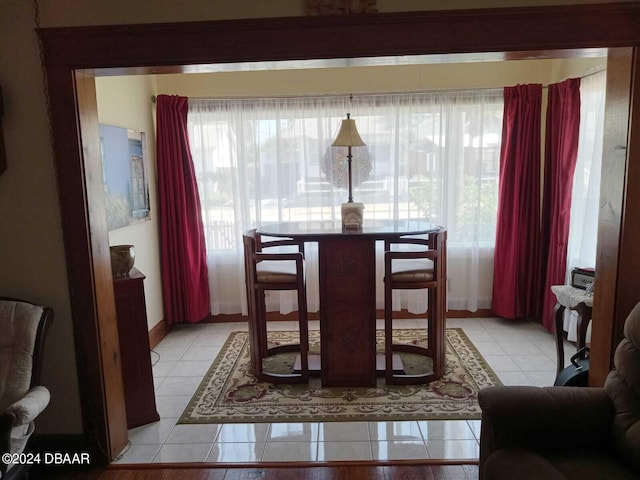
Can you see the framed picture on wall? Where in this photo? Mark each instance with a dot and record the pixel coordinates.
(126, 184)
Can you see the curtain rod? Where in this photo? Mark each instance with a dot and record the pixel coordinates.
(351, 97)
(594, 73)
(583, 76)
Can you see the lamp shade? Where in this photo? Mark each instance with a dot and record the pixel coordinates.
(348, 135)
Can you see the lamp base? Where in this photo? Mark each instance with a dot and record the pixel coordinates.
(352, 215)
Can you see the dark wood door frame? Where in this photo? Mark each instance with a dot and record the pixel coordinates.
(72, 54)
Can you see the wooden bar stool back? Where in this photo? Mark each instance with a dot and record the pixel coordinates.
(268, 271)
(427, 262)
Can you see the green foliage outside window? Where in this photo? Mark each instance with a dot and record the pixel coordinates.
(475, 220)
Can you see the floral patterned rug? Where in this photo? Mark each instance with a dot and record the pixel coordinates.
(230, 394)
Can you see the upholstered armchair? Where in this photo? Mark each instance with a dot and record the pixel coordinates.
(567, 432)
(23, 327)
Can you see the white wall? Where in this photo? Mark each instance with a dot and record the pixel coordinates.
(126, 102)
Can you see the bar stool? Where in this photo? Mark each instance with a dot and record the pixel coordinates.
(260, 276)
(427, 271)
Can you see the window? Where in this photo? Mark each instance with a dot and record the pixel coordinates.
(433, 155)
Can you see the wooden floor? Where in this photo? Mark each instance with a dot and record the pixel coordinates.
(337, 472)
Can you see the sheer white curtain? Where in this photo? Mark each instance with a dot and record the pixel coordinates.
(583, 231)
(433, 155)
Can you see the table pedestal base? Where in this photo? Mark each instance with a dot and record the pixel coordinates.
(347, 311)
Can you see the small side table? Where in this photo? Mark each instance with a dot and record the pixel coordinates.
(133, 334)
(582, 303)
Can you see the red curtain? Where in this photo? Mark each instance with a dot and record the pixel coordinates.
(517, 250)
(561, 153)
(185, 285)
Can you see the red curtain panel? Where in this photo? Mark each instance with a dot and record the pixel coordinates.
(561, 153)
(517, 249)
(185, 285)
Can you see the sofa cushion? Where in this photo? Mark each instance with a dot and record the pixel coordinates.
(524, 464)
(590, 465)
(518, 464)
(623, 387)
(546, 418)
(632, 326)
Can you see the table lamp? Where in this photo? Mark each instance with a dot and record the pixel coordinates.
(348, 136)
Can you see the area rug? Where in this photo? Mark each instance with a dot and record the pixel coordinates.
(229, 393)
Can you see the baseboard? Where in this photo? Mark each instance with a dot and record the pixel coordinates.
(157, 333)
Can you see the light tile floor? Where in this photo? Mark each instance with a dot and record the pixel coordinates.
(520, 353)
